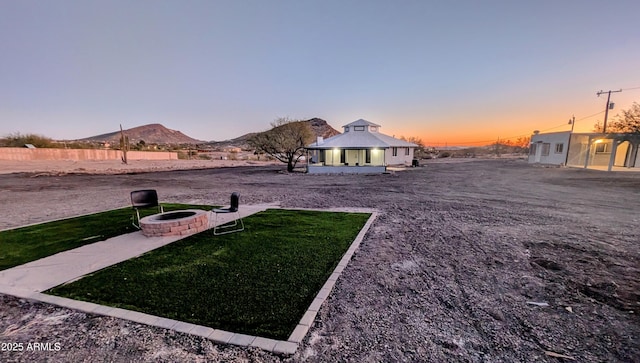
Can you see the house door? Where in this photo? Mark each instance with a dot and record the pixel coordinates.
(538, 152)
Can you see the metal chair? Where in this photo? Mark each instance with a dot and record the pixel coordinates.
(236, 225)
(142, 199)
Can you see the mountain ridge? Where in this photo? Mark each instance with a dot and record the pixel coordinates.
(151, 134)
(156, 133)
(319, 127)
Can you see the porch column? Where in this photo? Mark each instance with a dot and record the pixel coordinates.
(586, 159)
(628, 160)
(634, 155)
(612, 158)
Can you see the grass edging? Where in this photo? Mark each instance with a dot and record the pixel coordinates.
(307, 319)
(220, 336)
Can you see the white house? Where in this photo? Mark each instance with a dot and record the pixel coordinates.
(549, 148)
(586, 149)
(361, 148)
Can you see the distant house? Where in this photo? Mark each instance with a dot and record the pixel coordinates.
(586, 150)
(361, 148)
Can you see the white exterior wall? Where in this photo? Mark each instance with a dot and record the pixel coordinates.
(537, 154)
(352, 157)
(377, 157)
(355, 157)
(401, 158)
(587, 150)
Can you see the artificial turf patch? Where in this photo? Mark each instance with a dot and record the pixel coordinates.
(21, 245)
(259, 281)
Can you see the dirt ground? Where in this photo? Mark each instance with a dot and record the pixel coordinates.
(483, 261)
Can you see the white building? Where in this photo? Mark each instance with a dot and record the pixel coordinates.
(361, 148)
(586, 149)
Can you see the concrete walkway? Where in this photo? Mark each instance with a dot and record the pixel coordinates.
(29, 280)
(48, 272)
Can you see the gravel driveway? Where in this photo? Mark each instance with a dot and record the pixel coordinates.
(481, 261)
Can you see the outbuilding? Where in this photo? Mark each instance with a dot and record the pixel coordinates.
(586, 150)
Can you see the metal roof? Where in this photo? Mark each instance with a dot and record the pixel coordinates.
(361, 139)
(361, 122)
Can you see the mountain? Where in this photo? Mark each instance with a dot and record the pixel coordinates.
(150, 134)
(319, 126)
(158, 134)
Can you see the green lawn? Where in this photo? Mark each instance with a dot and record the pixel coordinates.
(259, 281)
(25, 244)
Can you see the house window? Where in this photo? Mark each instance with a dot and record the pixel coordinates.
(358, 128)
(532, 149)
(394, 151)
(602, 148)
(367, 156)
(559, 148)
(322, 156)
(545, 149)
(406, 152)
(346, 129)
(343, 156)
(373, 128)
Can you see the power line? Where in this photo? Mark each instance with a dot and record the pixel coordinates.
(595, 114)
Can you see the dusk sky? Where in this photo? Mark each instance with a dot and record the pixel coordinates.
(455, 72)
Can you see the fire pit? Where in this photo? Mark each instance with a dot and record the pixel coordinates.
(176, 223)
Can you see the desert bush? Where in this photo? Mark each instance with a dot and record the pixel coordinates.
(19, 140)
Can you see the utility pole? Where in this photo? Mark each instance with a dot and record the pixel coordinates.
(124, 142)
(606, 110)
(572, 122)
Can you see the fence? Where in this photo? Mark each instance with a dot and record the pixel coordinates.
(25, 154)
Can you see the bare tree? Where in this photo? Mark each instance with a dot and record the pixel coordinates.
(629, 121)
(413, 139)
(285, 141)
(419, 151)
(519, 145)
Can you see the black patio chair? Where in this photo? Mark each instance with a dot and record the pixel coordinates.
(236, 225)
(144, 199)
